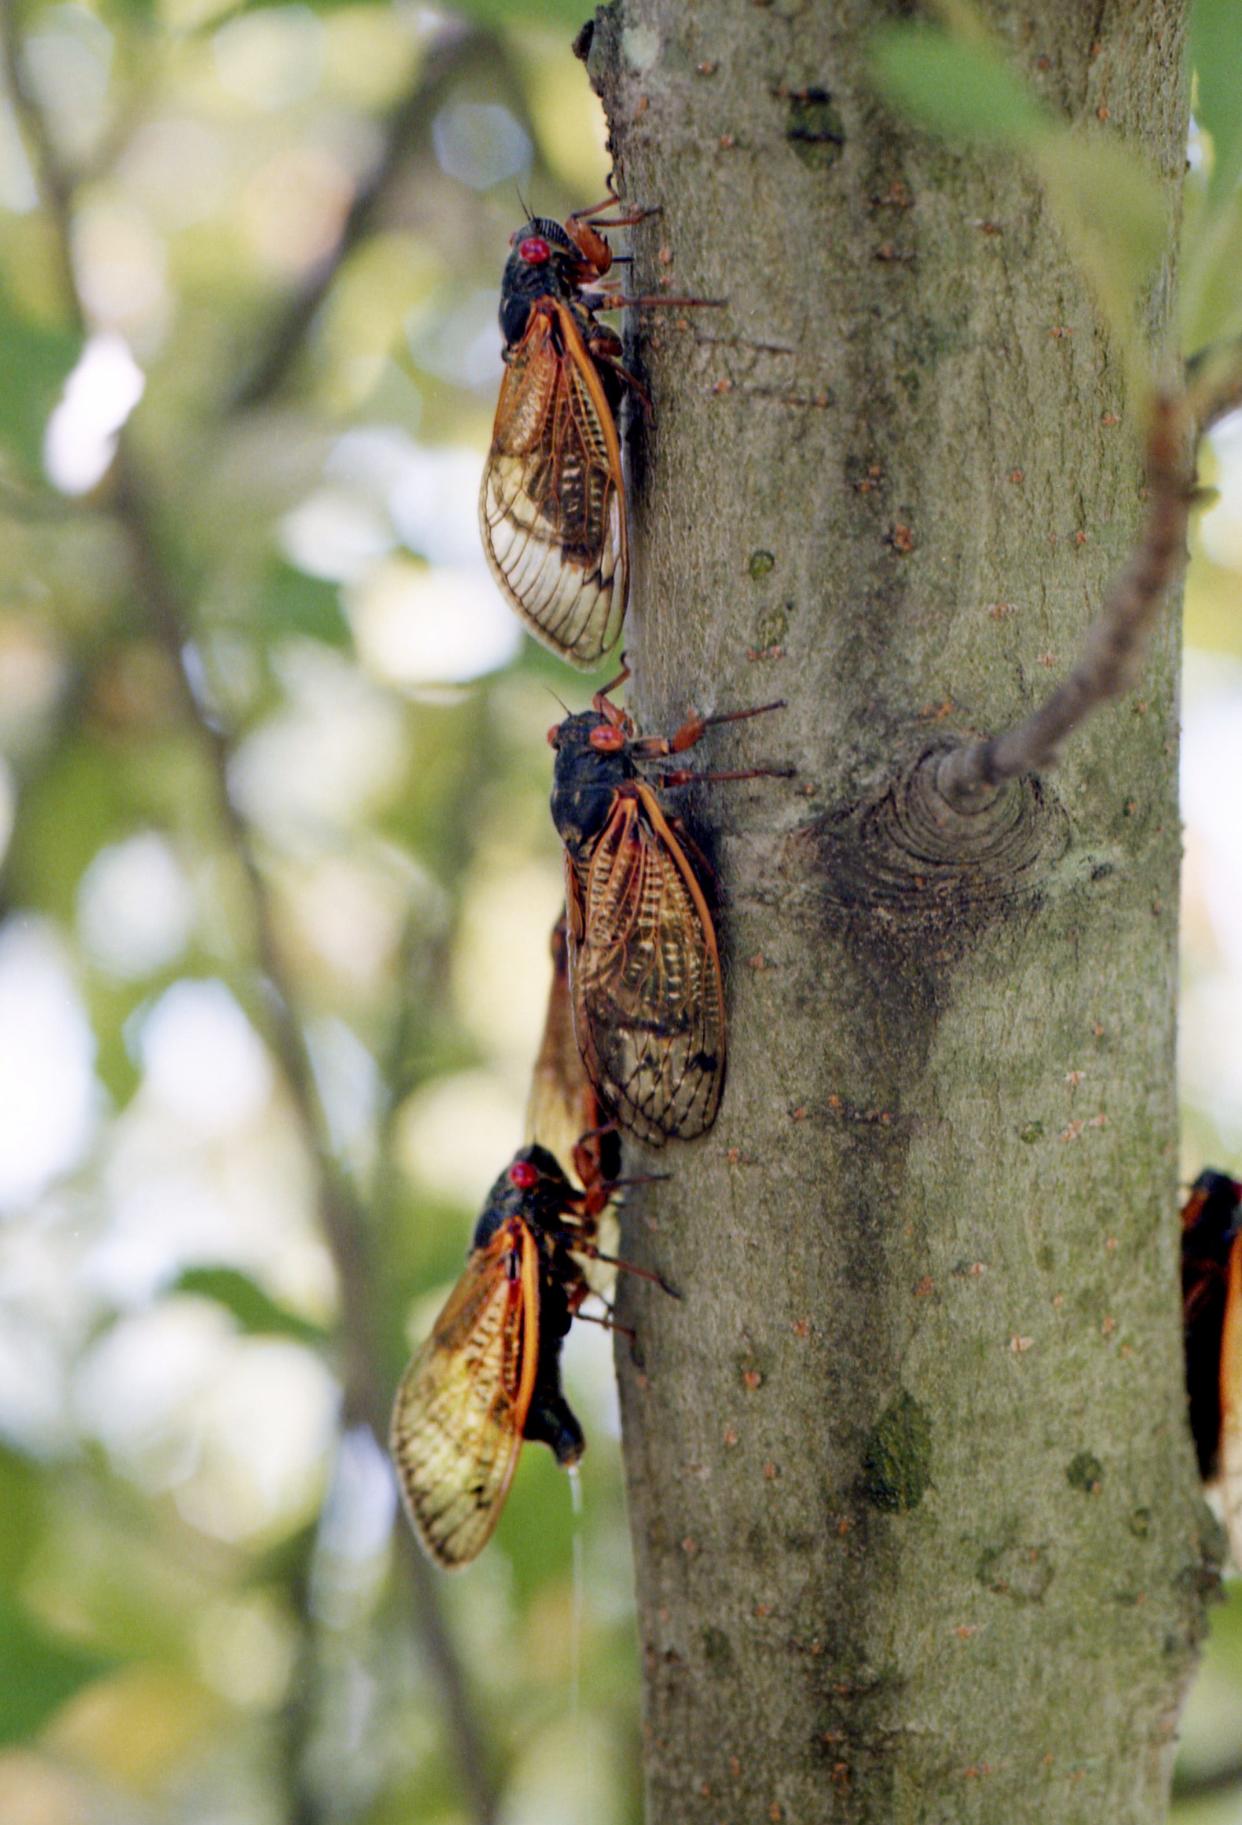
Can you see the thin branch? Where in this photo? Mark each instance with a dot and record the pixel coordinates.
(456, 46)
(52, 182)
(1201, 1786)
(968, 776)
(341, 1216)
(1214, 384)
(338, 1211)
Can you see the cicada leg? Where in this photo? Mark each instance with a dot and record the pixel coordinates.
(652, 747)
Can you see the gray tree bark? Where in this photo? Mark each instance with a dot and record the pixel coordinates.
(916, 1525)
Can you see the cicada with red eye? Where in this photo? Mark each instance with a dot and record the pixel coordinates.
(1212, 1322)
(552, 503)
(644, 965)
(489, 1375)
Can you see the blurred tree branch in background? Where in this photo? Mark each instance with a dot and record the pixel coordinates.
(128, 494)
(454, 52)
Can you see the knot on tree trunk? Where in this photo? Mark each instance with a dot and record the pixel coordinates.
(920, 865)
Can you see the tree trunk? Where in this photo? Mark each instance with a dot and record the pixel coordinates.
(917, 1529)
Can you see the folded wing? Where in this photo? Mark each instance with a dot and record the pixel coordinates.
(552, 503)
(462, 1403)
(647, 993)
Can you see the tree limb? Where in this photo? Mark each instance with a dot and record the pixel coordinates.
(968, 776)
(1223, 1778)
(454, 49)
(1214, 384)
(54, 186)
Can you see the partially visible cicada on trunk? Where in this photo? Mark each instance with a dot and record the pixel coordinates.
(563, 1111)
(552, 504)
(1212, 1321)
(489, 1375)
(645, 979)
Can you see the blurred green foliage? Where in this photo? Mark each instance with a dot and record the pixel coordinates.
(287, 229)
(286, 226)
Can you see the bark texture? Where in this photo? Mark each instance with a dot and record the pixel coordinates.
(917, 1529)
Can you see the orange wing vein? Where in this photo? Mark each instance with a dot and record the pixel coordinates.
(552, 503)
(462, 1403)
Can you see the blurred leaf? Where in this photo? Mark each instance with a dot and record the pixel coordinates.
(112, 1006)
(293, 603)
(255, 1311)
(1212, 619)
(38, 1672)
(76, 806)
(135, 1728)
(1106, 201)
(35, 360)
(1110, 209)
(109, 1559)
(570, 13)
(1216, 54)
(21, 1504)
(1211, 305)
(567, 13)
(963, 90)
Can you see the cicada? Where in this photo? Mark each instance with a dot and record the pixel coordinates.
(552, 502)
(489, 1375)
(1212, 1320)
(644, 965)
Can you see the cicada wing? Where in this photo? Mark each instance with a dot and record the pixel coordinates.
(462, 1403)
(552, 501)
(1231, 1405)
(647, 993)
(562, 1105)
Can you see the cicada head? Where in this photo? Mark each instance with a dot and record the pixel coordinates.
(592, 761)
(544, 263)
(532, 1187)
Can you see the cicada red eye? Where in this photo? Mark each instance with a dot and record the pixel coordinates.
(523, 1174)
(534, 250)
(554, 735)
(607, 739)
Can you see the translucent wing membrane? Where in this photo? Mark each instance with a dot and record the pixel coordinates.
(552, 503)
(562, 1105)
(645, 972)
(461, 1407)
(563, 1108)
